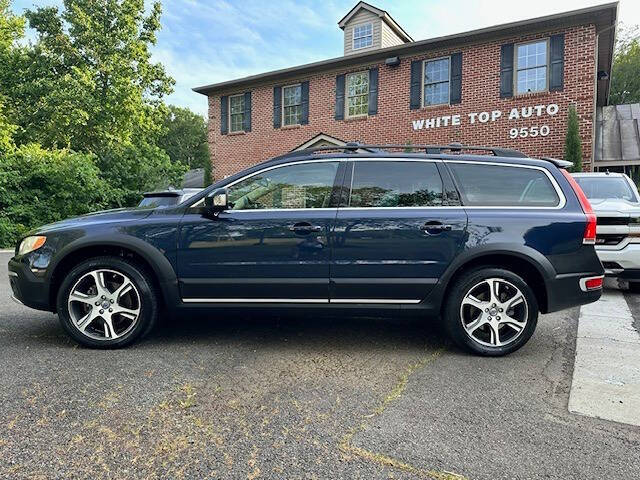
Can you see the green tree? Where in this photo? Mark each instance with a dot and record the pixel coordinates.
(185, 137)
(625, 74)
(572, 142)
(11, 29)
(88, 82)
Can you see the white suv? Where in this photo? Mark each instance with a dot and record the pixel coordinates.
(616, 202)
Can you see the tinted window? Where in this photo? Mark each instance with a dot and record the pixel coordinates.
(158, 201)
(395, 184)
(490, 185)
(306, 185)
(606, 187)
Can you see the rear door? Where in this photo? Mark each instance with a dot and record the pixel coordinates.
(398, 228)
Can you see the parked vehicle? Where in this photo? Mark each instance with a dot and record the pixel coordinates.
(616, 203)
(485, 242)
(167, 198)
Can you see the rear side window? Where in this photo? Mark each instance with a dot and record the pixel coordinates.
(395, 184)
(503, 186)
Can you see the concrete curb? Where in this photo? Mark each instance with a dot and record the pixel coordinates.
(7, 250)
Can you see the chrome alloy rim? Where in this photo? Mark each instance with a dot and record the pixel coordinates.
(494, 312)
(104, 304)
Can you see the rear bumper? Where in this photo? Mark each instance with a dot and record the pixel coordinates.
(565, 292)
(27, 288)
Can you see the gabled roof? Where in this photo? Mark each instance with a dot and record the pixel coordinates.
(384, 15)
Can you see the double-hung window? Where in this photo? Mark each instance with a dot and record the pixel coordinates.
(236, 113)
(292, 105)
(437, 77)
(357, 94)
(531, 67)
(362, 36)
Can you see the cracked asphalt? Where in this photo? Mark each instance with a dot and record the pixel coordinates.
(297, 398)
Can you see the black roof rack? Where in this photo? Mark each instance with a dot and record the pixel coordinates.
(353, 147)
(557, 162)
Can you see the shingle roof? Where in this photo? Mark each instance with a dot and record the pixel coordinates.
(617, 135)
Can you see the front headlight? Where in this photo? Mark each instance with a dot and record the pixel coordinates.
(30, 244)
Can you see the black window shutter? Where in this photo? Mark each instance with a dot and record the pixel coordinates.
(455, 87)
(277, 107)
(416, 84)
(373, 91)
(339, 97)
(305, 103)
(506, 70)
(247, 112)
(556, 67)
(224, 115)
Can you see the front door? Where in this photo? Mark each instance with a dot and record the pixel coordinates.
(271, 246)
(396, 233)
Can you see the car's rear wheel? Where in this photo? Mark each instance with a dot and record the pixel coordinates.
(491, 311)
(107, 302)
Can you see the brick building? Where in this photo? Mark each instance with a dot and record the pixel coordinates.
(510, 85)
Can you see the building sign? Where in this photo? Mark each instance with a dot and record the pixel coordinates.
(475, 118)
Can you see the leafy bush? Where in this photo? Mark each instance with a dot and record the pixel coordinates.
(40, 186)
(134, 169)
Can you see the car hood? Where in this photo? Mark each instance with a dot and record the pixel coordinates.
(118, 215)
(615, 208)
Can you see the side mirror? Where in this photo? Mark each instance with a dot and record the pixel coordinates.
(217, 201)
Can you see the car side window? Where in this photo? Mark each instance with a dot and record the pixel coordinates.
(503, 186)
(395, 184)
(304, 185)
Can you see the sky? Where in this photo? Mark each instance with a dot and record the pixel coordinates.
(210, 41)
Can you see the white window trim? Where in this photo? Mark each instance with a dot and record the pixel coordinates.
(346, 94)
(282, 104)
(515, 67)
(424, 69)
(229, 109)
(353, 36)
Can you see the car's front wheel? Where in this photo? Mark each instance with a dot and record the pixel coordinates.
(491, 311)
(107, 302)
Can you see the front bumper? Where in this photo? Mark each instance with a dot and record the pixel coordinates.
(27, 288)
(623, 263)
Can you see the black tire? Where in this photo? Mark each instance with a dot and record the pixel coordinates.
(634, 287)
(139, 277)
(452, 318)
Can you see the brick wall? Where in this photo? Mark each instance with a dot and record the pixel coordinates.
(393, 123)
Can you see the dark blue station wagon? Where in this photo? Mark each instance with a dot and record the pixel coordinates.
(483, 242)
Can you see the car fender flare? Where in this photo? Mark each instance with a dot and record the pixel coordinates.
(522, 252)
(162, 268)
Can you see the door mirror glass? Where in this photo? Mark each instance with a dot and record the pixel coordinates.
(217, 201)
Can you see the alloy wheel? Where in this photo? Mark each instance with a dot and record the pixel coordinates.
(104, 304)
(494, 312)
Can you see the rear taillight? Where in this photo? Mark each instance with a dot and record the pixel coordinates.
(589, 237)
(591, 283)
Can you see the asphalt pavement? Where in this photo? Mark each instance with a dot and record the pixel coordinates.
(297, 398)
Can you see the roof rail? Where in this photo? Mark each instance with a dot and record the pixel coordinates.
(352, 147)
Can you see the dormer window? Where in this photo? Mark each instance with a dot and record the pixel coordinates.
(362, 36)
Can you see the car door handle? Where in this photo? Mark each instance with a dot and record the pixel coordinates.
(436, 227)
(304, 228)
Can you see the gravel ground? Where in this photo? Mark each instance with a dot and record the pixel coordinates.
(294, 398)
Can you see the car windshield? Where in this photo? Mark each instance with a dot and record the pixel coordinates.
(606, 187)
(159, 201)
